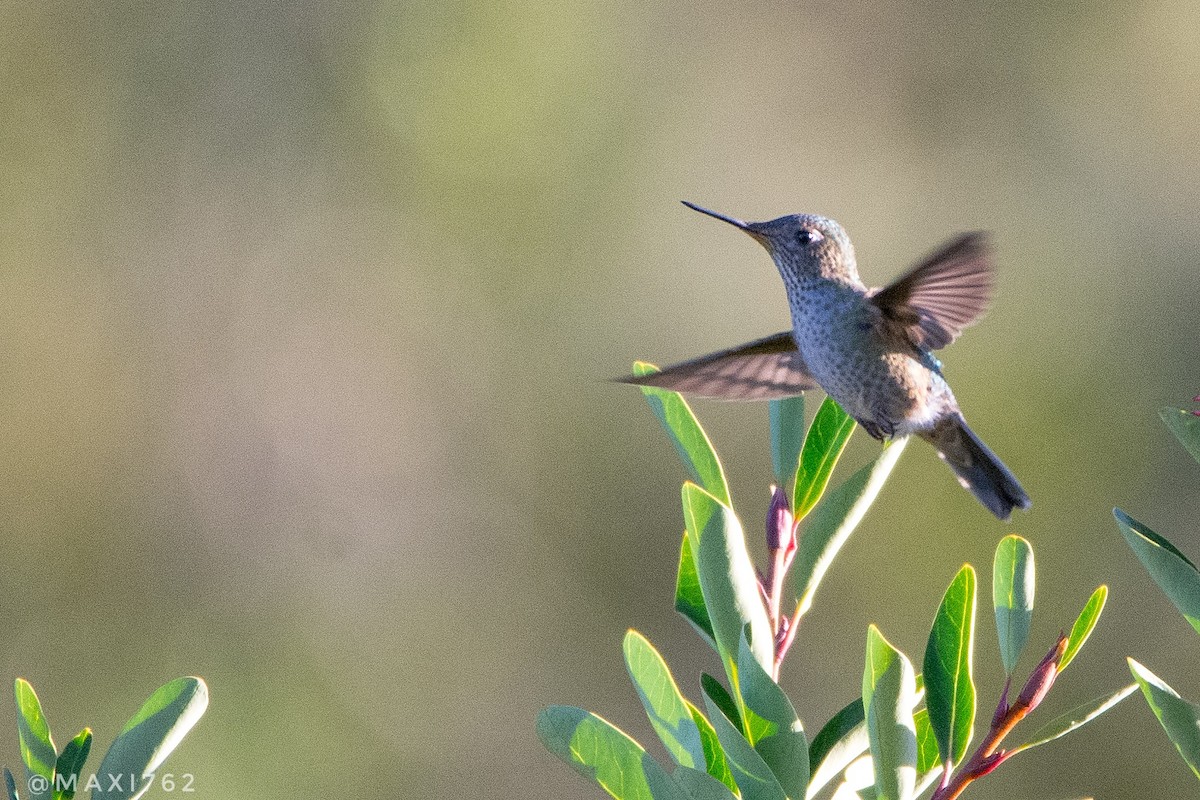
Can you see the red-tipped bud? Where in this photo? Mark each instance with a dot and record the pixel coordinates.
(1043, 676)
(781, 530)
(1002, 706)
(991, 762)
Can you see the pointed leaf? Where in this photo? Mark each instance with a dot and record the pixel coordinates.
(601, 752)
(823, 446)
(10, 786)
(1085, 623)
(1179, 718)
(771, 724)
(840, 741)
(1169, 568)
(949, 687)
(836, 518)
(750, 772)
(714, 756)
(37, 746)
(699, 785)
(727, 579)
(1185, 426)
(690, 440)
(664, 704)
(1013, 579)
(70, 763)
(149, 737)
(1077, 718)
(689, 598)
(889, 694)
(715, 691)
(787, 437)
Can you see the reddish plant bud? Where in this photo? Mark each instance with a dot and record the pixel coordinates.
(781, 530)
(991, 762)
(1043, 676)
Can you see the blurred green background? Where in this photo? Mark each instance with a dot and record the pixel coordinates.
(308, 309)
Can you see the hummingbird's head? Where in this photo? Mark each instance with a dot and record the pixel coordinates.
(802, 245)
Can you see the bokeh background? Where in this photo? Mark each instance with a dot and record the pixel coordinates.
(307, 312)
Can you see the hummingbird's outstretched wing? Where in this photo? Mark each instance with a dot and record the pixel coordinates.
(764, 369)
(930, 305)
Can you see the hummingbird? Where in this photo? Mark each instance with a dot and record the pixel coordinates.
(870, 349)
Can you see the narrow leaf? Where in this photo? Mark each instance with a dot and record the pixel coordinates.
(601, 752)
(1077, 718)
(889, 694)
(10, 786)
(840, 741)
(836, 518)
(787, 437)
(1085, 623)
(698, 785)
(37, 746)
(771, 724)
(1185, 426)
(689, 598)
(690, 440)
(715, 691)
(70, 763)
(728, 580)
(949, 687)
(823, 446)
(149, 737)
(714, 756)
(1179, 718)
(1169, 568)
(753, 777)
(1013, 581)
(664, 704)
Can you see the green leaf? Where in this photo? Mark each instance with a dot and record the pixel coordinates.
(70, 763)
(1170, 569)
(10, 785)
(1077, 718)
(929, 753)
(1179, 718)
(949, 688)
(823, 446)
(1185, 426)
(664, 704)
(753, 777)
(836, 518)
(690, 440)
(889, 694)
(714, 756)
(727, 579)
(698, 785)
(1013, 581)
(601, 752)
(771, 724)
(37, 746)
(689, 598)
(840, 741)
(715, 691)
(787, 437)
(1084, 624)
(149, 737)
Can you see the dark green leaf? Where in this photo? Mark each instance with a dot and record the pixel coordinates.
(823, 446)
(715, 690)
(699, 785)
(10, 786)
(750, 772)
(889, 695)
(840, 741)
(835, 519)
(1179, 718)
(1185, 426)
(37, 747)
(70, 762)
(1013, 581)
(1169, 568)
(929, 755)
(771, 725)
(664, 704)
(787, 437)
(727, 579)
(949, 687)
(601, 752)
(149, 737)
(1077, 717)
(689, 598)
(714, 756)
(690, 440)
(1084, 624)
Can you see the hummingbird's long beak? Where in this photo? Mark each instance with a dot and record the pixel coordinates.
(749, 227)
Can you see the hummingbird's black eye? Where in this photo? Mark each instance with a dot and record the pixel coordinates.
(807, 236)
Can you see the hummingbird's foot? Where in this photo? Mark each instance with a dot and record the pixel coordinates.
(875, 430)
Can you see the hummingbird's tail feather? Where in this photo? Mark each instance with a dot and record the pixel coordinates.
(977, 467)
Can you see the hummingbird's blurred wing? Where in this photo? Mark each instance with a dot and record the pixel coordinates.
(764, 369)
(930, 305)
